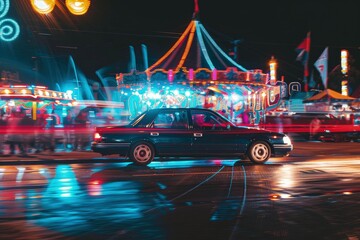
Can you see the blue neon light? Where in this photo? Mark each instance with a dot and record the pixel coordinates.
(4, 7)
(219, 49)
(9, 28)
(203, 48)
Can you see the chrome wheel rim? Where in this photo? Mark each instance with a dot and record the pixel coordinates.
(260, 152)
(142, 153)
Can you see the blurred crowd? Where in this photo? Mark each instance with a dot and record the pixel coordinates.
(21, 134)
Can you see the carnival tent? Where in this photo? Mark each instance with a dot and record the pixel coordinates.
(329, 95)
(195, 49)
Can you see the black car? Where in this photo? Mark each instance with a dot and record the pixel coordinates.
(188, 132)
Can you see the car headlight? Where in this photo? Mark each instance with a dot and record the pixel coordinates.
(287, 140)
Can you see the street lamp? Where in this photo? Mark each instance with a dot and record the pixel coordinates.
(43, 6)
(76, 7)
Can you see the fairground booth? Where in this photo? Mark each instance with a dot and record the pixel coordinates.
(32, 99)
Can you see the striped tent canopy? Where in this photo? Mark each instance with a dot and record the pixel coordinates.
(195, 49)
(329, 95)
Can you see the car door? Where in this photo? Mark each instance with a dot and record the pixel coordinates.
(212, 135)
(170, 132)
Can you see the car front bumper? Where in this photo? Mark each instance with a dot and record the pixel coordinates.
(281, 150)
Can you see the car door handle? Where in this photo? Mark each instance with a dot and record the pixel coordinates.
(197, 134)
(154, 134)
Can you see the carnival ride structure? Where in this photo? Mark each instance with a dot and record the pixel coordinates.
(194, 72)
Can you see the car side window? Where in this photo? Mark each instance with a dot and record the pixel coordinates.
(164, 120)
(203, 120)
(176, 119)
(180, 120)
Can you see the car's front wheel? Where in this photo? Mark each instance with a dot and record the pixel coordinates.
(142, 153)
(259, 152)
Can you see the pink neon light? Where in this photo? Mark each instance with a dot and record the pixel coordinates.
(170, 75)
(214, 74)
(191, 74)
(189, 27)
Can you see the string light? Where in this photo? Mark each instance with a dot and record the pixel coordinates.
(78, 7)
(43, 6)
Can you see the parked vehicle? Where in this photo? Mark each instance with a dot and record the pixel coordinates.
(188, 132)
(315, 126)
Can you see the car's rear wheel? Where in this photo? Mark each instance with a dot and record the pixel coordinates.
(142, 153)
(259, 152)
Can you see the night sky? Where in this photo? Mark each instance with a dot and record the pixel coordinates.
(101, 38)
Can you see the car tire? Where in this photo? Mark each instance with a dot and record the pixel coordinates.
(259, 152)
(142, 153)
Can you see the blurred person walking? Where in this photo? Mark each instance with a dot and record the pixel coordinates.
(2, 132)
(40, 131)
(82, 137)
(15, 134)
(68, 122)
(315, 125)
(27, 128)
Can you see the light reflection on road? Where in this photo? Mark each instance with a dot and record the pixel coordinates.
(75, 199)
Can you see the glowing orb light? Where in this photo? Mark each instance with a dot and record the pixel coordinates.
(43, 6)
(78, 7)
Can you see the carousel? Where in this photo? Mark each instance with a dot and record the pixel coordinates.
(196, 72)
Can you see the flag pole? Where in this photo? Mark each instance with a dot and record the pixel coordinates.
(303, 50)
(306, 66)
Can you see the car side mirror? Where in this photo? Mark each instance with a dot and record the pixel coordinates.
(228, 127)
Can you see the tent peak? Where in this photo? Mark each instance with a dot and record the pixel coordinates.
(196, 10)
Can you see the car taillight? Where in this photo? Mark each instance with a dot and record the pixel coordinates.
(97, 136)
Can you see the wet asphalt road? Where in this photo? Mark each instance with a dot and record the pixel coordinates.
(312, 194)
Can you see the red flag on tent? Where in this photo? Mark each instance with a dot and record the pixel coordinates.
(303, 51)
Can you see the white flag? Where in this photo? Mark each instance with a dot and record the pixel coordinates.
(322, 66)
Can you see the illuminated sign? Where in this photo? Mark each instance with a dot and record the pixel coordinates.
(344, 61)
(272, 64)
(344, 88)
(9, 29)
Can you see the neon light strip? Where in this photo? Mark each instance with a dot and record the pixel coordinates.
(174, 53)
(215, 53)
(4, 7)
(173, 47)
(187, 48)
(9, 29)
(203, 48)
(220, 50)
